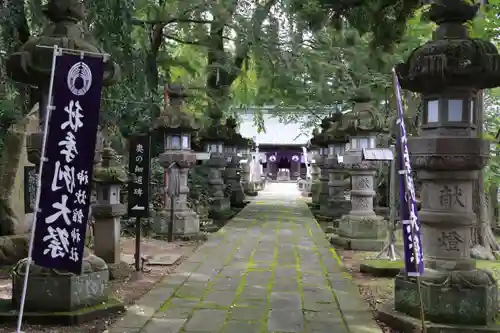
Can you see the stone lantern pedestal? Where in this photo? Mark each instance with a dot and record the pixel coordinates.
(315, 171)
(107, 210)
(234, 181)
(338, 205)
(217, 164)
(362, 229)
(176, 127)
(186, 221)
(449, 73)
(234, 143)
(324, 193)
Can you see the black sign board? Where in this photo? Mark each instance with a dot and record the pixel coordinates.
(30, 187)
(139, 168)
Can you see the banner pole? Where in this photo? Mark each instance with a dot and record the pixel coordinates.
(399, 106)
(49, 108)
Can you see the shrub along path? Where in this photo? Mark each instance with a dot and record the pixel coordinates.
(270, 269)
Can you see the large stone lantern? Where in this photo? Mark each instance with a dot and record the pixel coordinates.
(449, 72)
(320, 197)
(176, 126)
(245, 152)
(213, 139)
(338, 205)
(234, 143)
(32, 64)
(361, 228)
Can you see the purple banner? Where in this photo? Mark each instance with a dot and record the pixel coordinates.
(67, 170)
(414, 257)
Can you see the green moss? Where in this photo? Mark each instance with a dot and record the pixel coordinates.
(110, 175)
(381, 263)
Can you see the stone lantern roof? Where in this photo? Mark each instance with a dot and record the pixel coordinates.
(320, 138)
(32, 65)
(335, 133)
(452, 59)
(173, 118)
(363, 119)
(233, 137)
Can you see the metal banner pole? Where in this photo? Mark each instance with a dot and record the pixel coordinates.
(49, 108)
(138, 267)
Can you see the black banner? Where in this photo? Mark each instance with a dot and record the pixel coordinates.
(139, 169)
(67, 169)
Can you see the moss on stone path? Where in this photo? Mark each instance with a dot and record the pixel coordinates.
(270, 269)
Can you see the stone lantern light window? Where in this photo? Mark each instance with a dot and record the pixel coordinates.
(231, 149)
(360, 142)
(214, 147)
(186, 141)
(336, 149)
(174, 142)
(108, 193)
(449, 110)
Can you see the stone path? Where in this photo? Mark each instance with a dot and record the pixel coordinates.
(269, 270)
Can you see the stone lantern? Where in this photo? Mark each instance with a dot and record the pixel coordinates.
(245, 162)
(449, 72)
(234, 143)
(32, 64)
(361, 228)
(213, 139)
(338, 205)
(320, 195)
(320, 198)
(176, 127)
(109, 176)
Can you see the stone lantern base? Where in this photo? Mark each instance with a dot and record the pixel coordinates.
(362, 233)
(337, 207)
(453, 302)
(63, 298)
(186, 222)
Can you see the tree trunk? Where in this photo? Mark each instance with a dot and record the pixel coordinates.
(482, 234)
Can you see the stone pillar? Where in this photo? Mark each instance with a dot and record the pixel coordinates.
(186, 221)
(449, 72)
(220, 203)
(234, 181)
(107, 210)
(338, 205)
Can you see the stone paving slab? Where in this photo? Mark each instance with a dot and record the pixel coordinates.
(270, 269)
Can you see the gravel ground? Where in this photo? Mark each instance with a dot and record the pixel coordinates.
(124, 287)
